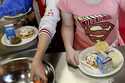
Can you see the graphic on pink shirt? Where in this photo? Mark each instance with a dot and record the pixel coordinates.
(97, 27)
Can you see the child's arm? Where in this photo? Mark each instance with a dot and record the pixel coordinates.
(68, 37)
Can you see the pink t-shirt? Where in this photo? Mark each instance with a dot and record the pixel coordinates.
(94, 22)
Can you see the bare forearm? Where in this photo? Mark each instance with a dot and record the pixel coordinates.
(68, 37)
(43, 43)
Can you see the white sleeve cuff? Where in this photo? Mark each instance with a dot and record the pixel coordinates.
(47, 32)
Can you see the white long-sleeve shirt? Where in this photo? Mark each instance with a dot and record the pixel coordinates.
(49, 21)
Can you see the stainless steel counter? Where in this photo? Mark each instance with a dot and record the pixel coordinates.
(59, 63)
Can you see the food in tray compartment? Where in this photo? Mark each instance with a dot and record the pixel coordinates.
(102, 57)
(91, 60)
(116, 60)
(15, 40)
(99, 57)
(25, 33)
(101, 46)
(98, 61)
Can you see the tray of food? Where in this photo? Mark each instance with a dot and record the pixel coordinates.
(23, 36)
(100, 60)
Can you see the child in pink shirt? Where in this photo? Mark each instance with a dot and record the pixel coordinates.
(95, 20)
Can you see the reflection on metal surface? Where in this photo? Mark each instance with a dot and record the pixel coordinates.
(18, 71)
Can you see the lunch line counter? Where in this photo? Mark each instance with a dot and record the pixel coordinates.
(59, 62)
(57, 59)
